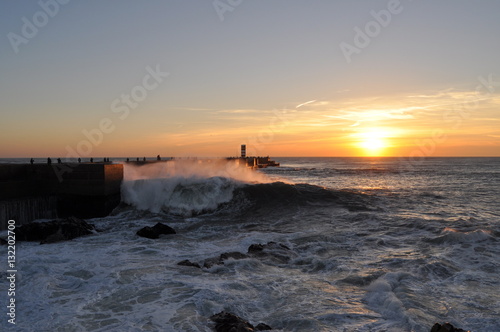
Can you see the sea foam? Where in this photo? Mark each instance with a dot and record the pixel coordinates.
(185, 187)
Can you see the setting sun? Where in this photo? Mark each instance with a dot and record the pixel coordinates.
(373, 142)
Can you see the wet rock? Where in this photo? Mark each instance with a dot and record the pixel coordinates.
(276, 252)
(54, 231)
(163, 229)
(257, 248)
(228, 322)
(148, 232)
(232, 255)
(263, 327)
(187, 262)
(270, 252)
(446, 327)
(155, 231)
(208, 263)
(224, 256)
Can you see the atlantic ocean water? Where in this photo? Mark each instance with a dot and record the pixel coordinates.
(352, 244)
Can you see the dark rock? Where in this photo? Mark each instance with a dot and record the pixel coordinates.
(255, 248)
(155, 231)
(163, 229)
(148, 232)
(233, 255)
(446, 327)
(208, 263)
(224, 256)
(263, 327)
(54, 231)
(189, 263)
(227, 322)
(271, 252)
(276, 252)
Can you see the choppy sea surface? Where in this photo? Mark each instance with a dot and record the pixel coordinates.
(372, 244)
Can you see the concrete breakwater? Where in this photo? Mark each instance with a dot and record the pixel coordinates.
(33, 191)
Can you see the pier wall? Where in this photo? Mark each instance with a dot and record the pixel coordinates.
(86, 190)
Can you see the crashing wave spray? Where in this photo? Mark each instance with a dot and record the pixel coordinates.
(185, 187)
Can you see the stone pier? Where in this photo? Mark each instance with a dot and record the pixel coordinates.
(85, 190)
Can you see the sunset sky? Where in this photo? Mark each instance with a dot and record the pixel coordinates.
(286, 77)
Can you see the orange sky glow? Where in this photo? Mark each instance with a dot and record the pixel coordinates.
(432, 126)
(182, 82)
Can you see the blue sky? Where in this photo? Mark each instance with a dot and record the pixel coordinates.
(227, 78)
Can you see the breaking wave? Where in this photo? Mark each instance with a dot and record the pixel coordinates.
(178, 195)
(184, 187)
(191, 187)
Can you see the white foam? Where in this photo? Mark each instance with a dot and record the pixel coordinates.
(382, 297)
(185, 187)
(177, 195)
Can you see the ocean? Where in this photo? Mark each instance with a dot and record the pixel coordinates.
(348, 244)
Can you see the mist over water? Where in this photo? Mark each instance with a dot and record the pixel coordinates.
(372, 246)
(194, 168)
(185, 187)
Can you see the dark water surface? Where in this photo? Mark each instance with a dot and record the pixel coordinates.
(375, 244)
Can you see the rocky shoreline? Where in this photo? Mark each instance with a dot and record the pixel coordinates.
(54, 231)
(271, 252)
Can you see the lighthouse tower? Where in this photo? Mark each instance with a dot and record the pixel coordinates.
(243, 151)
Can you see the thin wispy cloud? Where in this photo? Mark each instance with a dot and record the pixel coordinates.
(306, 103)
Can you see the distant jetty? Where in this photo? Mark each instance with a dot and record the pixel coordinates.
(254, 162)
(249, 162)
